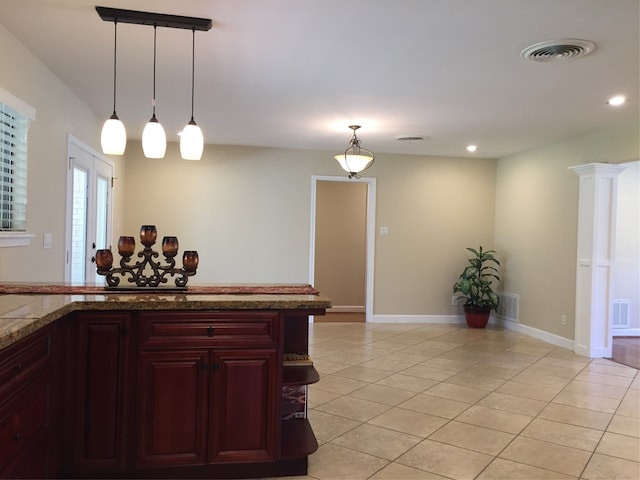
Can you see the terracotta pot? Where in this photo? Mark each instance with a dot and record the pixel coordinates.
(477, 317)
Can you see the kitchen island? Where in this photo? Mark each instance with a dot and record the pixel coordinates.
(154, 383)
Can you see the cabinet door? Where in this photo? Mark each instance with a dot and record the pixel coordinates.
(244, 418)
(101, 368)
(172, 389)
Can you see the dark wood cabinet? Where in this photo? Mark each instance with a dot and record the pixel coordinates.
(26, 397)
(99, 368)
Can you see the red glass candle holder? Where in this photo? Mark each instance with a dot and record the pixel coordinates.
(104, 259)
(148, 235)
(126, 246)
(190, 260)
(170, 246)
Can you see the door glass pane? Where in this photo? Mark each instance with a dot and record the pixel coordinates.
(102, 208)
(78, 225)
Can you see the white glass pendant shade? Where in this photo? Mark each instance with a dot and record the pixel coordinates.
(154, 140)
(114, 136)
(354, 163)
(191, 142)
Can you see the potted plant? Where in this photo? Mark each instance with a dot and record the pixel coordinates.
(475, 287)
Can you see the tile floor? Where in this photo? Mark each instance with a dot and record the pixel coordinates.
(447, 402)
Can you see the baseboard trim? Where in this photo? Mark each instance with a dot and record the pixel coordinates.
(626, 332)
(551, 338)
(346, 309)
(417, 319)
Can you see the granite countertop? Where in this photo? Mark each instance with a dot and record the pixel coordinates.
(23, 314)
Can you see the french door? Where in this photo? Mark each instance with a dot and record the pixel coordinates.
(88, 212)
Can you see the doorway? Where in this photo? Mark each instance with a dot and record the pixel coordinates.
(89, 212)
(341, 253)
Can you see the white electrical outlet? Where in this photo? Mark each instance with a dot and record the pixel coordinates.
(454, 300)
(563, 320)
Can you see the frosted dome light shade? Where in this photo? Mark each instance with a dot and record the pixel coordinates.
(113, 137)
(154, 140)
(353, 163)
(191, 142)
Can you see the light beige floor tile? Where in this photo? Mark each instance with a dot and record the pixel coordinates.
(425, 350)
(389, 344)
(408, 421)
(440, 407)
(476, 381)
(510, 364)
(361, 373)
(405, 357)
(457, 392)
(540, 379)
(596, 389)
(429, 373)
(472, 437)
(496, 419)
(407, 382)
(462, 355)
(509, 358)
(636, 383)
(531, 348)
(603, 467)
(612, 369)
(536, 392)
(580, 400)
(396, 471)
(317, 397)
(604, 379)
(485, 370)
(341, 385)
(377, 441)
(573, 362)
(549, 456)
(332, 462)
(353, 408)
(447, 364)
(621, 446)
(326, 366)
(553, 370)
(385, 364)
(382, 394)
(630, 405)
(511, 403)
(446, 460)
(501, 469)
(581, 417)
(563, 434)
(326, 426)
(625, 426)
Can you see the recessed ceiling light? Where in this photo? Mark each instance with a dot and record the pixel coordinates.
(617, 100)
(472, 148)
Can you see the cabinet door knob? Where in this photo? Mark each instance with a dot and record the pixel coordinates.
(215, 366)
(17, 437)
(209, 331)
(18, 367)
(204, 366)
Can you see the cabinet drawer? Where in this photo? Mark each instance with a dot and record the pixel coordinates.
(26, 357)
(205, 329)
(23, 423)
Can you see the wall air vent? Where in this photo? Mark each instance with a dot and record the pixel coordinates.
(565, 48)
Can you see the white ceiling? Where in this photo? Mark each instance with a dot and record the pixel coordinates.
(296, 73)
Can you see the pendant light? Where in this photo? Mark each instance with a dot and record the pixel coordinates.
(154, 140)
(355, 159)
(191, 139)
(114, 136)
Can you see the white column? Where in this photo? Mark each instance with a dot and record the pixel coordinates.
(596, 245)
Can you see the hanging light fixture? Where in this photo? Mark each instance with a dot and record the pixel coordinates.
(355, 159)
(114, 136)
(191, 139)
(154, 140)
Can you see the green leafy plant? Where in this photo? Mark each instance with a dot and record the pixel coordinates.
(475, 282)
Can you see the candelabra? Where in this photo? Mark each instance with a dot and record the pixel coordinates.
(147, 272)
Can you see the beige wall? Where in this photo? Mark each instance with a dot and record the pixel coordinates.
(340, 242)
(247, 211)
(536, 221)
(59, 113)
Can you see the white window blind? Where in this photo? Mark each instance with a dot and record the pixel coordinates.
(14, 127)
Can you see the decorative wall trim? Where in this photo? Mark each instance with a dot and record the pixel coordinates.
(626, 332)
(15, 239)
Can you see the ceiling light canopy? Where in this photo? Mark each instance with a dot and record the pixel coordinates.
(154, 140)
(355, 159)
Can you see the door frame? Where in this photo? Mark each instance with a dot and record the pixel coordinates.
(69, 199)
(370, 234)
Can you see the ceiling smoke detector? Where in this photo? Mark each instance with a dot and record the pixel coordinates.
(564, 48)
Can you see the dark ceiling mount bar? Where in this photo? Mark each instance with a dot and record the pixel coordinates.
(148, 18)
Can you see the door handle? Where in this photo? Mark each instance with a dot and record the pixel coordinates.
(93, 245)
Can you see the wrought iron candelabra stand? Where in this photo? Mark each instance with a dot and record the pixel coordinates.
(147, 272)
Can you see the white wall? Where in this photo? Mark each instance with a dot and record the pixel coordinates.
(626, 271)
(59, 112)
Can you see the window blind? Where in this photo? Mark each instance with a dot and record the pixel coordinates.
(13, 169)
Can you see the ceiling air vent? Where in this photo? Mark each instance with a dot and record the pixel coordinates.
(564, 48)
